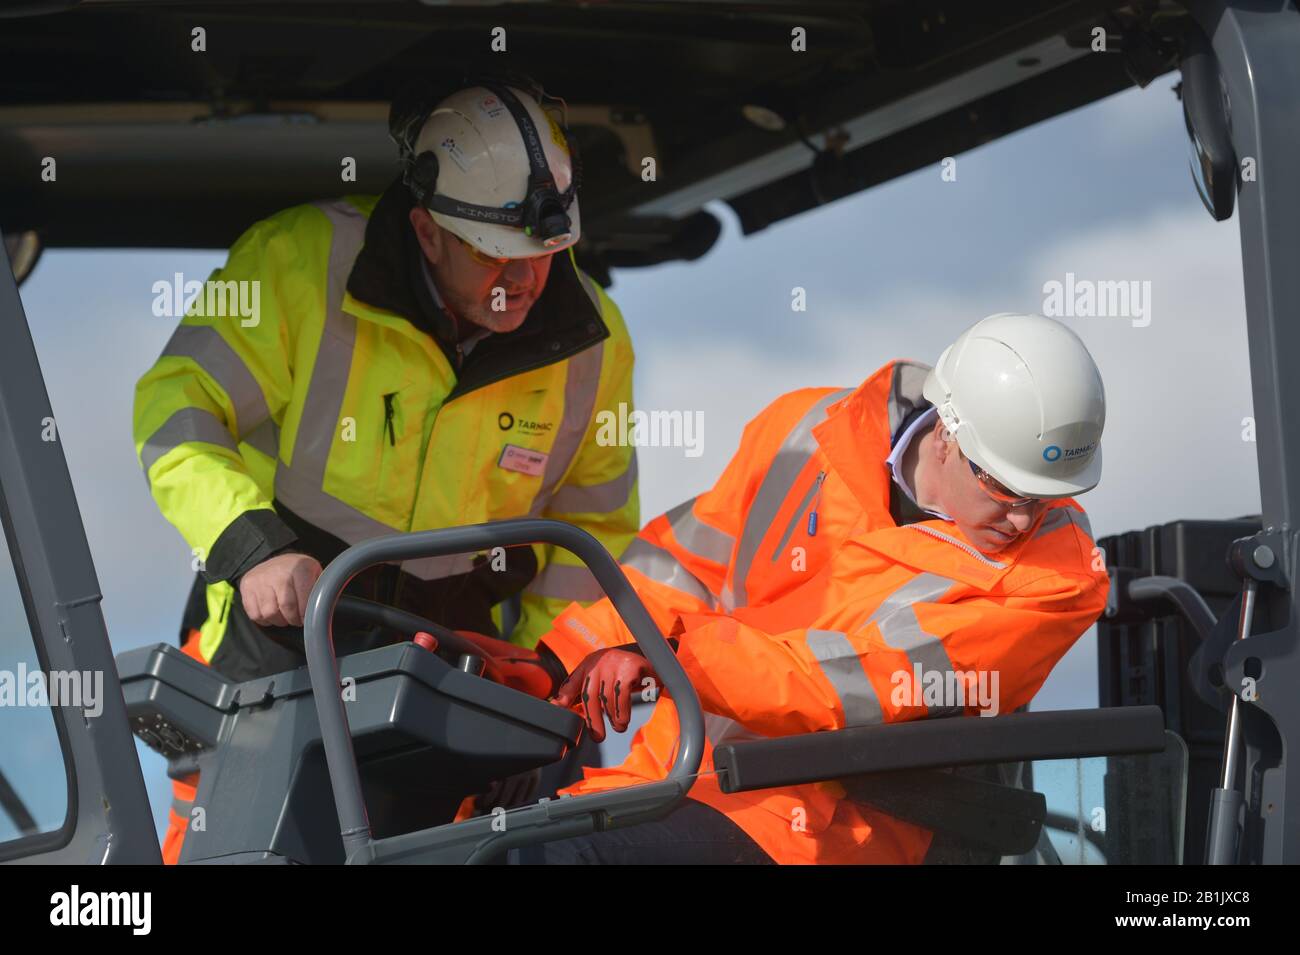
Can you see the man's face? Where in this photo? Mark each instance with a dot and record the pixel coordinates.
(989, 524)
(493, 294)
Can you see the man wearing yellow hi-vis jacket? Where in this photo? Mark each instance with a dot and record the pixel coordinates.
(427, 358)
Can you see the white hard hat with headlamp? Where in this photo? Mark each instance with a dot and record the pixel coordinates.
(1025, 402)
(495, 169)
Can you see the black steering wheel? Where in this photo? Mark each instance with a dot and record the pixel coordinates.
(452, 647)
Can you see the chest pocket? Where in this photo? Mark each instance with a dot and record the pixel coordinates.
(801, 543)
(394, 452)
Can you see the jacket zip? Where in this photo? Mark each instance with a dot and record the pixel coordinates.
(817, 496)
(956, 543)
(810, 500)
(388, 418)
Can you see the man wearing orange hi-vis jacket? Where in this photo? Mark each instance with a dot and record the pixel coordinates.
(904, 550)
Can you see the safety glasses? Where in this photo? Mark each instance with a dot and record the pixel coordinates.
(487, 261)
(994, 489)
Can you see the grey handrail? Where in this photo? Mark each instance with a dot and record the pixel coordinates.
(322, 664)
(1182, 595)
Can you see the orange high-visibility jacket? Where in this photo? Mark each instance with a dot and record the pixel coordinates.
(791, 625)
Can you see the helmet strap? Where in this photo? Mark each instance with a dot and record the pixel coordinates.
(544, 211)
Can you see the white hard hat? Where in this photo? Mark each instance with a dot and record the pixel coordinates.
(1025, 401)
(503, 179)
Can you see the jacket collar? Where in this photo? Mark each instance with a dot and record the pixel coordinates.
(939, 547)
(855, 439)
(384, 274)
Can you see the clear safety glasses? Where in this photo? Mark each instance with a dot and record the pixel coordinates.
(994, 489)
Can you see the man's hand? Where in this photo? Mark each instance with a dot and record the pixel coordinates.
(605, 681)
(275, 591)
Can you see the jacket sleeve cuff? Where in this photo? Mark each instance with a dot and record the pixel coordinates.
(574, 635)
(554, 668)
(248, 540)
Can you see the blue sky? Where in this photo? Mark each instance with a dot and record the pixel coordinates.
(1103, 192)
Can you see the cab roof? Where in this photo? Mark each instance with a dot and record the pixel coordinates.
(157, 144)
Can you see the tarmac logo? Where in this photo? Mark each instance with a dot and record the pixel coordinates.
(211, 299)
(76, 908)
(506, 421)
(1084, 298)
(74, 688)
(1053, 452)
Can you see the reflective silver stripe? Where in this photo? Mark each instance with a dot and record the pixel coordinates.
(321, 411)
(662, 567)
(901, 630)
(266, 438)
(299, 485)
(922, 587)
(435, 568)
(327, 512)
(923, 649)
(722, 729)
(352, 526)
(790, 459)
(182, 807)
(841, 664)
(185, 425)
(1080, 518)
(702, 540)
(905, 391)
(204, 345)
(565, 582)
(794, 521)
(1054, 519)
(589, 287)
(323, 408)
(581, 382)
(597, 498)
(1058, 517)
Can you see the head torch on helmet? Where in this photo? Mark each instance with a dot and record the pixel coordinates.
(544, 213)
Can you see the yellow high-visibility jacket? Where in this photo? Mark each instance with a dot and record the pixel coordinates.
(344, 410)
